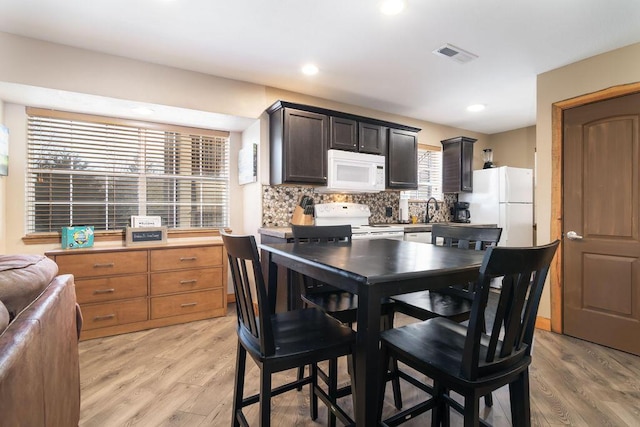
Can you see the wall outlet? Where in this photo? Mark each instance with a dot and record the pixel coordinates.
(388, 212)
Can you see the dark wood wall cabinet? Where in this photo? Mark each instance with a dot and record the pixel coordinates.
(457, 164)
(301, 135)
(402, 160)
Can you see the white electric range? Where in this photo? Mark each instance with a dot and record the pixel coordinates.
(357, 215)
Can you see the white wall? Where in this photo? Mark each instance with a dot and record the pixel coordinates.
(3, 197)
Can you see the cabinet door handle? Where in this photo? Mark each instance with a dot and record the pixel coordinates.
(188, 258)
(105, 265)
(189, 304)
(103, 291)
(105, 317)
(188, 282)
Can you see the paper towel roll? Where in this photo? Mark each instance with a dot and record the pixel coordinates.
(404, 210)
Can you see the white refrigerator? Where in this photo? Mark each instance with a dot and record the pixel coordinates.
(503, 196)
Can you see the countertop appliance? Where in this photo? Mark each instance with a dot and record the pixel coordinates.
(351, 172)
(357, 215)
(461, 212)
(503, 196)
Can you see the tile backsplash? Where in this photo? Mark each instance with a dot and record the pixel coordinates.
(278, 203)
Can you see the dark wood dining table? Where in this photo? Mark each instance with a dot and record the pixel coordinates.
(373, 269)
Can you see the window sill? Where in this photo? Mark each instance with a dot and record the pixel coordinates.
(119, 235)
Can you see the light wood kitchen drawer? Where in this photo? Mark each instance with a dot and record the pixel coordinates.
(102, 264)
(178, 258)
(111, 288)
(182, 281)
(192, 302)
(114, 313)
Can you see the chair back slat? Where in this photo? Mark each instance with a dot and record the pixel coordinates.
(465, 237)
(246, 274)
(321, 233)
(524, 271)
(315, 234)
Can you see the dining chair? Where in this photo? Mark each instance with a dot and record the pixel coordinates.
(465, 359)
(453, 302)
(338, 303)
(280, 341)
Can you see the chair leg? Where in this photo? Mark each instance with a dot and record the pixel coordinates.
(471, 411)
(300, 376)
(265, 398)
(488, 400)
(386, 358)
(520, 403)
(238, 389)
(440, 414)
(313, 397)
(333, 390)
(395, 383)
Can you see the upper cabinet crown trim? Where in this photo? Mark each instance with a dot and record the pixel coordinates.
(285, 104)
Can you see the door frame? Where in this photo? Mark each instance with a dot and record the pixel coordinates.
(557, 185)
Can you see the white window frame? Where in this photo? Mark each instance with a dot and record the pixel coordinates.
(429, 169)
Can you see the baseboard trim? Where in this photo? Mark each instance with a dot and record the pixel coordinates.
(231, 298)
(543, 323)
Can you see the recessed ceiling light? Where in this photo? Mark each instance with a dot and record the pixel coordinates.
(310, 70)
(143, 111)
(476, 107)
(391, 7)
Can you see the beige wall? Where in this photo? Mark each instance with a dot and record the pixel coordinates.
(618, 67)
(42, 64)
(514, 148)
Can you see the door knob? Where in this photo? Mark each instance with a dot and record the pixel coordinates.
(572, 235)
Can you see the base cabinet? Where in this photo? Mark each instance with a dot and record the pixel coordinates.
(130, 289)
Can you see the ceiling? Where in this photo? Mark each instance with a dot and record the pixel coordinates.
(365, 58)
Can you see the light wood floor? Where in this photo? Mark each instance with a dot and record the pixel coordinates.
(183, 376)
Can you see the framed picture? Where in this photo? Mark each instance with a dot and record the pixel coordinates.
(4, 150)
(248, 164)
(144, 236)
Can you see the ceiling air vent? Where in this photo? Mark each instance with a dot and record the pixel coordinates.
(455, 53)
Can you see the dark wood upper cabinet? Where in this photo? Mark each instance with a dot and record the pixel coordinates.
(298, 147)
(343, 134)
(352, 135)
(402, 160)
(457, 164)
(300, 136)
(372, 138)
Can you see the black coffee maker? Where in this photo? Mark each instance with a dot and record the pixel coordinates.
(460, 212)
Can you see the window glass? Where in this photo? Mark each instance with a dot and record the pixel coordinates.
(429, 176)
(84, 172)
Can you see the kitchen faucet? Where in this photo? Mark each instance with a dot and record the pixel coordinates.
(427, 217)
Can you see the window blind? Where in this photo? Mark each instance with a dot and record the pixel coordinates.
(429, 175)
(89, 170)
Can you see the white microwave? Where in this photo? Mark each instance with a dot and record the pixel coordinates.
(351, 172)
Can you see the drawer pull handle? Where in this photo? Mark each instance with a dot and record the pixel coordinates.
(105, 265)
(103, 291)
(188, 282)
(105, 317)
(188, 258)
(189, 304)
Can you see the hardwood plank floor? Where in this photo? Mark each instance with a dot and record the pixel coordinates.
(183, 376)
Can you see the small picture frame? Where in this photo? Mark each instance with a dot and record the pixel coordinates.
(146, 236)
